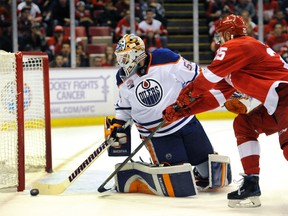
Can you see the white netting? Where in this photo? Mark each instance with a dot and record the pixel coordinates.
(34, 117)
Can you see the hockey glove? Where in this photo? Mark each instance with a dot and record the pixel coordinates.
(184, 97)
(113, 129)
(235, 106)
(174, 112)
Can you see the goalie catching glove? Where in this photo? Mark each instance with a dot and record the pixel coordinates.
(114, 129)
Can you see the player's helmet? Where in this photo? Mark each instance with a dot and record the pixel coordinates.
(130, 50)
(233, 24)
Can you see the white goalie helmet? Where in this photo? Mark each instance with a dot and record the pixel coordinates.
(130, 50)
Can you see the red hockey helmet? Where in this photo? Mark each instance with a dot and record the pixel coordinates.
(233, 24)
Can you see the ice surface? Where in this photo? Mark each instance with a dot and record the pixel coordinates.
(72, 145)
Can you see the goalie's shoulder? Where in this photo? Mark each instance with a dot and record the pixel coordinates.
(164, 56)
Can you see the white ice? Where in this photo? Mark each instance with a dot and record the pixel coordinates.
(72, 145)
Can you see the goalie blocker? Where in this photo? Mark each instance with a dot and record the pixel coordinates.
(171, 181)
(114, 128)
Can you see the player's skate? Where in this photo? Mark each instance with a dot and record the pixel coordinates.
(247, 195)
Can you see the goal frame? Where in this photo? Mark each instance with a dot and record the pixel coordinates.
(20, 114)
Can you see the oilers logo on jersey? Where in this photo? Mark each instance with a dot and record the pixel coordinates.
(149, 92)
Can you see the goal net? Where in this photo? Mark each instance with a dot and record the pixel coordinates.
(25, 132)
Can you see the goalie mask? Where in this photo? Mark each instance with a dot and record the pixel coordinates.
(232, 24)
(130, 50)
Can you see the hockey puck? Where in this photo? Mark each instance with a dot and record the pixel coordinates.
(34, 192)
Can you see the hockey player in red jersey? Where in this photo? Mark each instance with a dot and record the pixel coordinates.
(242, 64)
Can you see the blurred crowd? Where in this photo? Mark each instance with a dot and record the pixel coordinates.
(275, 13)
(44, 25)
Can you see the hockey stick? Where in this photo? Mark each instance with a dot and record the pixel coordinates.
(53, 189)
(102, 189)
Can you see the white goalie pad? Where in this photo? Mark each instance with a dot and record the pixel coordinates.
(219, 171)
(172, 181)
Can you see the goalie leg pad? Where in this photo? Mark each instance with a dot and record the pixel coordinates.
(172, 181)
(220, 174)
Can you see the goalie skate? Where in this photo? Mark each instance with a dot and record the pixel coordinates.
(247, 195)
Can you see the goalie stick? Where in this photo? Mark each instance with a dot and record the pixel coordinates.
(54, 189)
(102, 188)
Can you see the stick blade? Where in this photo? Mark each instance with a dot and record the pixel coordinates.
(51, 189)
(102, 189)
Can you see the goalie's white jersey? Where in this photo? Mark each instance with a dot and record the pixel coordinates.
(144, 95)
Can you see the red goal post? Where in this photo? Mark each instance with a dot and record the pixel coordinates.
(25, 128)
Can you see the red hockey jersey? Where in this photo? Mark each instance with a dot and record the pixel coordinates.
(242, 64)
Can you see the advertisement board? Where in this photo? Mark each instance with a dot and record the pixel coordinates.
(82, 92)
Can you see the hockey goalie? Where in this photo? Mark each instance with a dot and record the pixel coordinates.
(180, 180)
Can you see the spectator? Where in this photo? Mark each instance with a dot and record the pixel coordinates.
(35, 12)
(55, 42)
(5, 14)
(217, 8)
(252, 29)
(61, 13)
(45, 7)
(151, 41)
(122, 7)
(97, 4)
(66, 52)
(82, 59)
(5, 26)
(109, 16)
(154, 24)
(247, 5)
(109, 59)
(24, 24)
(97, 62)
(277, 39)
(157, 8)
(123, 26)
(35, 41)
(278, 18)
(284, 8)
(269, 8)
(58, 61)
(83, 16)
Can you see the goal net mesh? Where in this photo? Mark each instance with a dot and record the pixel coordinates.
(34, 117)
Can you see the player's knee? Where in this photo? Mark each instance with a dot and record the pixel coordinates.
(243, 128)
(240, 123)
